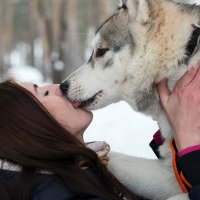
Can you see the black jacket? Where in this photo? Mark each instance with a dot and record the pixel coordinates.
(46, 187)
(190, 164)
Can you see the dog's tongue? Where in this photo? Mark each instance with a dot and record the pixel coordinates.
(76, 104)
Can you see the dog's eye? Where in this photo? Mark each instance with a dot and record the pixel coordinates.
(100, 52)
(46, 93)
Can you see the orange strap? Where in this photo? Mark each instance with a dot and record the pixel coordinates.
(185, 180)
(180, 178)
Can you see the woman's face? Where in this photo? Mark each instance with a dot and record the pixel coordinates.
(74, 120)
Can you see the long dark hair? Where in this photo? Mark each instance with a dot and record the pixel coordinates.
(33, 139)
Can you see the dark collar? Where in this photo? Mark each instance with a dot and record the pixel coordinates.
(192, 45)
(156, 142)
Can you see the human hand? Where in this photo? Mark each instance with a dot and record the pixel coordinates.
(101, 148)
(182, 107)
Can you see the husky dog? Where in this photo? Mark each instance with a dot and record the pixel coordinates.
(142, 43)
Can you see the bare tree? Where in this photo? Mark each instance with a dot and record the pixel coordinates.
(31, 31)
(103, 10)
(39, 12)
(58, 33)
(1, 40)
(57, 15)
(7, 30)
(73, 54)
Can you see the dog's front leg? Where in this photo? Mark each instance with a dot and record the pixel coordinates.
(145, 177)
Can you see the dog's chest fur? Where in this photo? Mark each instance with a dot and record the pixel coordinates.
(160, 53)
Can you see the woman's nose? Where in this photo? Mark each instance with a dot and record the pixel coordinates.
(57, 90)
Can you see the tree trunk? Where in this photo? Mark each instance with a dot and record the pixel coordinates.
(103, 10)
(31, 37)
(7, 31)
(43, 30)
(57, 41)
(57, 14)
(1, 40)
(73, 54)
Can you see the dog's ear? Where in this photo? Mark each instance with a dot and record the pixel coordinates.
(138, 9)
(121, 3)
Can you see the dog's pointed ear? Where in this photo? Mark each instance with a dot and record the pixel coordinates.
(121, 3)
(138, 9)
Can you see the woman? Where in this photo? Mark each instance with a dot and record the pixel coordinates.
(42, 152)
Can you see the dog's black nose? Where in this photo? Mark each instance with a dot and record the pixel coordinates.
(64, 87)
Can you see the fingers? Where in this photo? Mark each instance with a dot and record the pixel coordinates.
(97, 145)
(163, 92)
(190, 77)
(105, 160)
(104, 152)
(103, 155)
(196, 80)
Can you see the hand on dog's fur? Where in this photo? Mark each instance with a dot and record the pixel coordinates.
(182, 107)
(101, 148)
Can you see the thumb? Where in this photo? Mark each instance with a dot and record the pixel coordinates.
(163, 92)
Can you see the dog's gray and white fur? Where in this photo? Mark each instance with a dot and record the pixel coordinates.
(143, 43)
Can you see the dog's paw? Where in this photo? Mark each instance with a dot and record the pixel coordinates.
(183, 196)
(101, 148)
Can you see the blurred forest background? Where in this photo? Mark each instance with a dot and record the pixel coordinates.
(52, 36)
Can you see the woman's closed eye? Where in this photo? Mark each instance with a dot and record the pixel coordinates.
(46, 93)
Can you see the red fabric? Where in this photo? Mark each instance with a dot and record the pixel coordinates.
(158, 138)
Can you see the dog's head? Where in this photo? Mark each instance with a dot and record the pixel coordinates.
(128, 54)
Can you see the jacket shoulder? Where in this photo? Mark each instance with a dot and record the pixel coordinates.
(51, 188)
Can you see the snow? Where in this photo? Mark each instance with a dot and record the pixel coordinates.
(25, 74)
(125, 130)
(59, 65)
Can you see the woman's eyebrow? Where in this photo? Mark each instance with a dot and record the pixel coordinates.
(35, 88)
